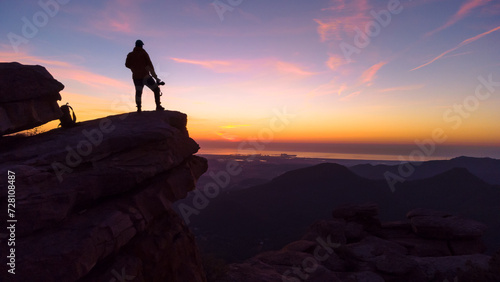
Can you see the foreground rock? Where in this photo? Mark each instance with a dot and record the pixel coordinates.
(443, 226)
(94, 202)
(355, 246)
(28, 97)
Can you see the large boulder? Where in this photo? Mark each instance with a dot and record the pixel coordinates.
(439, 225)
(28, 97)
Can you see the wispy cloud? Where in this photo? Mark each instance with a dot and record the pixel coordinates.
(464, 10)
(491, 10)
(24, 58)
(64, 71)
(328, 29)
(116, 17)
(402, 88)
(350, 88)
(227, 136)
(233, 126)
(332, 87)
(91, 79)
(215, 65)
(350, 96)
(290, 68)
(369, 75)
(463, 43)
(194, 9)
(341, 19)
(347, 90)
(335, 62)
(232, 66)
(458, 54)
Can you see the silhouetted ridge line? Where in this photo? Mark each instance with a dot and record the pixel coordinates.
(484, 168)
(457, 174)
(466, 158)
(321, 172)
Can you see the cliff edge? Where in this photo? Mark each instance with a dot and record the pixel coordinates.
(94, 202)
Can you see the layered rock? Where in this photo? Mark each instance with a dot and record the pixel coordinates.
(94, 202)
(28, 97)
(429, 224)
(356, 246)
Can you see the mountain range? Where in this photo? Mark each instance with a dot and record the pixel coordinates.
(239, 224)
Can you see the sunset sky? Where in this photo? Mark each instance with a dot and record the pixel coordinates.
(325, 71)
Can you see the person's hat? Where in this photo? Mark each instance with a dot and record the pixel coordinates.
(139, 43)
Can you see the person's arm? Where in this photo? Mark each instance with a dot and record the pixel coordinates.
(127, 61)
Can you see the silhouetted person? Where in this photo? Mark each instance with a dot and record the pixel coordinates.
(140, 64)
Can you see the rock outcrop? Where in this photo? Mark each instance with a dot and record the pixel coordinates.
(94, 202)
(356, 246)
(28, 97)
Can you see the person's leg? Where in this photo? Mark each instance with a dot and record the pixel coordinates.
(151, 83)
(139, 85)
(157, 99)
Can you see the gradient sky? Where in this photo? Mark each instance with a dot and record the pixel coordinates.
(230, 65)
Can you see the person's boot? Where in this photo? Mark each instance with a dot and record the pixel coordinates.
(157, 100)
(139, 110)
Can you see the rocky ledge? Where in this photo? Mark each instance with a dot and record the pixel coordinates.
(355, 246)
(94, 202)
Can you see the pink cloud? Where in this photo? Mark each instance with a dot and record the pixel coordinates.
(352, 88)
(344, 16)
(350, 96)
(335, 62)
(463, 43)
(217, 66)
(327, 30)
(332, 87)
(289, 68)
(369, 75)
(120, 24)
(23, 58)
(464, 10)
(192, 8)
(63, 71)
(231, 66)
(341, 89)
(91, 79)
(491, 10)
(117, 16)
(402, 88)
(249, 16)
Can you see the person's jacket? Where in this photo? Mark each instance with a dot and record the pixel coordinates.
(139, 62)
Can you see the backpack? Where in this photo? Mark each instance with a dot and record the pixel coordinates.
(67, 119)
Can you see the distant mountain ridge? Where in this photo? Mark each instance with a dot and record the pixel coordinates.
(268, 216)
(487, 169)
